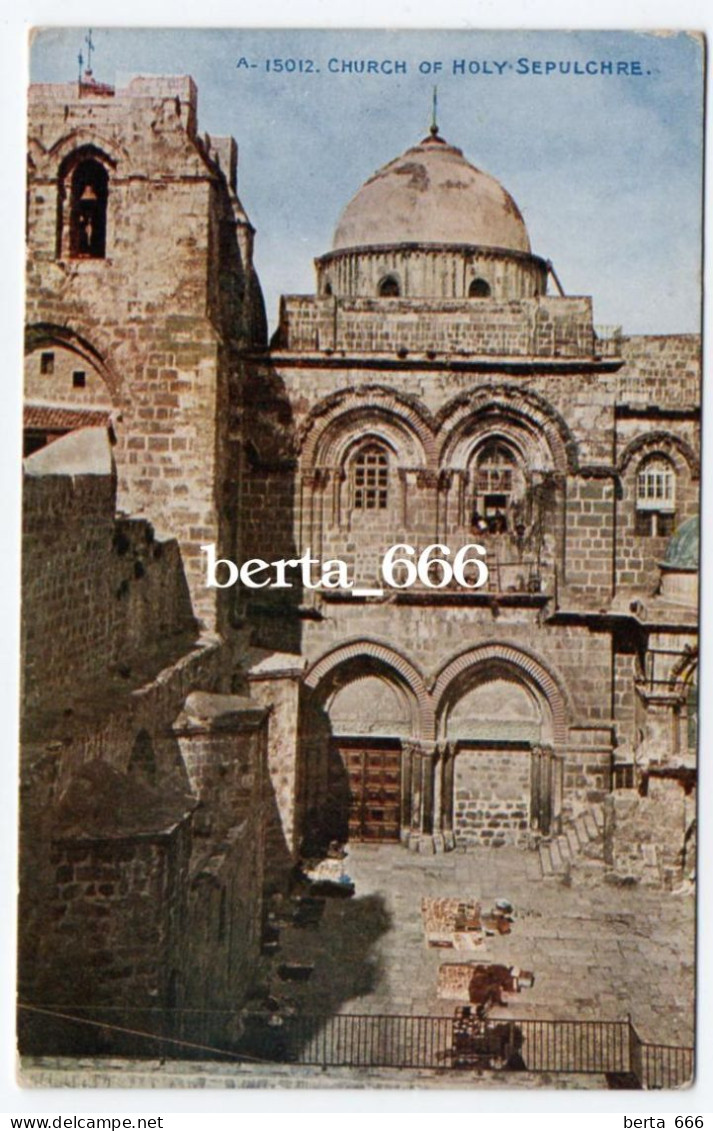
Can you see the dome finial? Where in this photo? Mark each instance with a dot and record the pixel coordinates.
(434, 113)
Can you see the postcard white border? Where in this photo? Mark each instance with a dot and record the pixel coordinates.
(459, 14)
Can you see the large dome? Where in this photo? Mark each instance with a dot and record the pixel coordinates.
(432, 195)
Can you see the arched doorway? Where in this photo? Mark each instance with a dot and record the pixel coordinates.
(501, 778)
(362, 712)
(369, 718)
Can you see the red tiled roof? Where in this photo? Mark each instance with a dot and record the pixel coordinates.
(51, 418)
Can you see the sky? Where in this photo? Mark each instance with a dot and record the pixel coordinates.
(606, 169)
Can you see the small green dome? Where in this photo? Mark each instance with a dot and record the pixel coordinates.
(682, 550)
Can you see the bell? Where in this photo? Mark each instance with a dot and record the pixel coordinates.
(88, 193)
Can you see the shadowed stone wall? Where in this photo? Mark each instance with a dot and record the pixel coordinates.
(97, 591)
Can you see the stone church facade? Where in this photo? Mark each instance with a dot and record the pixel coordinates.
(182, 743)
(438, 394)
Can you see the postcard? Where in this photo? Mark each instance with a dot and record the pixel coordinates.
(360, 559)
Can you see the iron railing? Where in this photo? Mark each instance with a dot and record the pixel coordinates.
(364, 1041)
(660, 1066)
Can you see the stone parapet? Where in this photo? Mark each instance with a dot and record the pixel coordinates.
(552, 327)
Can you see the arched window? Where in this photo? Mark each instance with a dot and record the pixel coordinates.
(479, 289)
(370, 478)
(389, 287)
(499, 484)
(655, 497)
(328, 288)
(87, 212)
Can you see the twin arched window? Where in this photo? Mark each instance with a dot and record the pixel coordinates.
(655, 497)
(389, 287)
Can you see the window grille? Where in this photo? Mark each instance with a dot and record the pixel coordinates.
(655, 498)
(371, 479)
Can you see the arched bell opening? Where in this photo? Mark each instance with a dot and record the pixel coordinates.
(83, 204)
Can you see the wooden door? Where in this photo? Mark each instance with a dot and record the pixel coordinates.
(373, 772)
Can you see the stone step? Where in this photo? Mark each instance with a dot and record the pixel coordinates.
(563, 850)
(581, 831)
(572, 839)
(545, 859)
(557, 861)
(591, 826)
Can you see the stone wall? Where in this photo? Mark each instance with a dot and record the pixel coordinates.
(429, 428)
(491, 797)
(118, 920)
(625, 673)
(579, 428)
(53, 375)
(277, 686)
(142, 850)
(151, 896)
(648, 838)
(590, 537)
(128, 897)
(223, 743)
(587, 770)
(661, 370)
(411, 644)
(592, 541)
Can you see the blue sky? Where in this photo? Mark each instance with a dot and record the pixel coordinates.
(606, 169)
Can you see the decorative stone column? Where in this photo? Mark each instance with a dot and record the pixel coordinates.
(421, 819)
(445, 768)
(546, 780)
(275, 682)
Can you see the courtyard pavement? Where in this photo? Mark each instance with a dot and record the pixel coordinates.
(598, 951)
